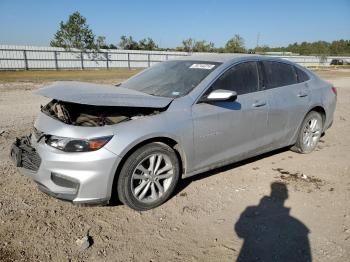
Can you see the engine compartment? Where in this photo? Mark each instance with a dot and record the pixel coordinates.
(93, 116)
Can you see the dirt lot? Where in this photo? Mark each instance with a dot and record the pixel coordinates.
(199, 223)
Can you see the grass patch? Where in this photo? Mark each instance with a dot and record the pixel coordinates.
(113, 75)
(117, 75)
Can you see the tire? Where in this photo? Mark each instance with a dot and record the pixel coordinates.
(143, 185)
(310, 132)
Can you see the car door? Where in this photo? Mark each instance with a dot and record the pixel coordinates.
(302, 100)
(227, 131)
(287, 101)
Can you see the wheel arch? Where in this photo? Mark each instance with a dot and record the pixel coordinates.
(319, 109)
(171, 142)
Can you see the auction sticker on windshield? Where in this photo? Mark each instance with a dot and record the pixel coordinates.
(202, 66)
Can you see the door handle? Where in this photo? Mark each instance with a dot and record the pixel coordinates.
(259, 103)
(302, 94)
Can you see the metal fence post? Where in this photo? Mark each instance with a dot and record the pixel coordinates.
(107, 62)
(149, 60)
(56, 62)
(129, 60)
(25, 60)
(82, 60)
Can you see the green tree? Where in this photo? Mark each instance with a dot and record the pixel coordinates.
(128, 43)
(188, 45)
(260, 49)
(235, 45)
(147, 44)
(318, 48)
(203, 46)
(112, 46)
(75, 33)
(191, 45)
(101, 42)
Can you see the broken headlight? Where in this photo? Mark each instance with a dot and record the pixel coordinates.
(77, 145)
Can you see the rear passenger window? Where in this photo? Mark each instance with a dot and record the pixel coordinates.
(242, 78)
(302, 76)
(279, 74)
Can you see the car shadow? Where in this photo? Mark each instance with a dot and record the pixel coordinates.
(270, 233)
(183, 183)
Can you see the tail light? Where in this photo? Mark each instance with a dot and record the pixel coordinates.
(334, 90)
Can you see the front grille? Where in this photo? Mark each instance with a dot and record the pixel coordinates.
(24, 155)
(31, 160)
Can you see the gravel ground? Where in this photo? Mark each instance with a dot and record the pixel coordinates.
(199, 223)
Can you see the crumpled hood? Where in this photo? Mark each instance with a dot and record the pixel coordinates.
(101, 95)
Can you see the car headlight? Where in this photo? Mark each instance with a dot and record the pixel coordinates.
(77, 145)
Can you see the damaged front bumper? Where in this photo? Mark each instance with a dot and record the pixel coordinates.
(24, 155)
(83, 178)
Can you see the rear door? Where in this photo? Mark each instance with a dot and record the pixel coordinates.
(288, 100)
(225, 131)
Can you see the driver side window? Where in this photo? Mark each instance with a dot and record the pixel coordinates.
(242, 78)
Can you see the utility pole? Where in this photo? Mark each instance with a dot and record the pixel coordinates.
(257, 40)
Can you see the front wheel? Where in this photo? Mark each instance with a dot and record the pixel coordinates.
(148, 176)
(309, 133)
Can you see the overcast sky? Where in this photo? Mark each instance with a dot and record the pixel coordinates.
(169, 22)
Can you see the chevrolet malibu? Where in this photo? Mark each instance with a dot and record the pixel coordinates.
(92, 144)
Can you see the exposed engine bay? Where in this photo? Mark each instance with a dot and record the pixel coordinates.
(92, 116)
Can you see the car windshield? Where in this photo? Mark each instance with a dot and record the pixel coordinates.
(171, 78)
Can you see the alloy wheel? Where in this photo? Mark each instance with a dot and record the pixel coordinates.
(311, 132)
(152, 177)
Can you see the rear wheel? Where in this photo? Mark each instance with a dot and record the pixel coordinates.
(309, 133)
(148, 177)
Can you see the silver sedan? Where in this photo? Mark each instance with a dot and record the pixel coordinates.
(93, 144)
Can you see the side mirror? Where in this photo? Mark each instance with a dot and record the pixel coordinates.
(220, 95)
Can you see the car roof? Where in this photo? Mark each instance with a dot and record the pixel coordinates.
(223, 58)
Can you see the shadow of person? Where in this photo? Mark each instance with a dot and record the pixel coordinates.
(270, 233)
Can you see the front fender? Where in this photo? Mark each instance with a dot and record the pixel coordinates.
(174, 126)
